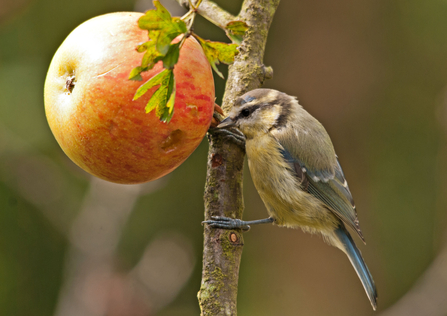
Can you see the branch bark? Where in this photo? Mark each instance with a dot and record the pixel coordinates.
(223, 190)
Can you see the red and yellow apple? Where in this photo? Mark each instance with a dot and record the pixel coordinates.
(89, 107)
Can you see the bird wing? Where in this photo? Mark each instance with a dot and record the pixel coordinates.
(328, 185)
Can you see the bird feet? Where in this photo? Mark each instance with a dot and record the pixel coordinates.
(234, 223)
(227, 223)
(234, 135)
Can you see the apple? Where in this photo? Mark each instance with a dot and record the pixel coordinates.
(89, 107)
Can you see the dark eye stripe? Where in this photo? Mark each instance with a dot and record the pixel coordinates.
(250, 110)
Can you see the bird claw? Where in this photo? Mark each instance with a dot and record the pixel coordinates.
(234, 134)
(227, 223)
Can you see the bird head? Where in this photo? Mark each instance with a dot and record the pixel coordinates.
(258, 111)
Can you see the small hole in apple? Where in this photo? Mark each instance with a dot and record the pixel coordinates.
(193, 109)
(171, 142)
(70, 83)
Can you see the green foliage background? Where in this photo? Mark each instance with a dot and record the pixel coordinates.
(373, 72)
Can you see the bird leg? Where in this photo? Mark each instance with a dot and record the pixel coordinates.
(234, 223)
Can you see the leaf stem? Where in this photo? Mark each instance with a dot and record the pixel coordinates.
(198, 3)
(182, 41)
(186, 15)
(190, 16)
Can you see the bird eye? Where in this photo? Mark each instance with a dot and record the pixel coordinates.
(245, 112)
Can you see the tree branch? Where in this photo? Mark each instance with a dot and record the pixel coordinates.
(212, 12)
(223, 190)
(248, 71)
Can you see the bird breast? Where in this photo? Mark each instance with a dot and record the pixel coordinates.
(280, 189)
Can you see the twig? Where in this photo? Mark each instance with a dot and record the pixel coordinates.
(212, 12)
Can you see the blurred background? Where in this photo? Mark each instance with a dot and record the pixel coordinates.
(373, 72)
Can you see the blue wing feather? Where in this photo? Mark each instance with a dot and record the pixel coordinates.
(329, 187)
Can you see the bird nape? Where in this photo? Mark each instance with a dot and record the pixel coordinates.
(297, 174)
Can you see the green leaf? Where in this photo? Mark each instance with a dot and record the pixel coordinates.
(235, 30)
(217, 52)
(142, 47)
(226, 52)
(180, 24)
(151, 56)
(235, 39)
(135, 74)
(170, 105)
(154, 19)
(153, 35)
(162, 28)
(163, 98)
(154, 81)
(237, 27)
(154, 101)
(171, 57)
(168, 33)
(163, 13)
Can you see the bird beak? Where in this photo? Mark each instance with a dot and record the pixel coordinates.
(228, 122)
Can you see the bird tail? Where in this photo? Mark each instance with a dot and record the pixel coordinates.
(346, 244)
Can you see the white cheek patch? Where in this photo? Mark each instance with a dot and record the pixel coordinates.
(277, 116)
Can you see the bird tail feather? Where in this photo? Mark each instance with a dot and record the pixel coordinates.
(346, 244)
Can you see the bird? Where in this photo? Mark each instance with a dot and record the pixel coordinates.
(297, 174)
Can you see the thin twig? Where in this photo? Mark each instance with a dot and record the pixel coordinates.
(211, 11)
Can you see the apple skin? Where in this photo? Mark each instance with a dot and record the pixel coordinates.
(89, 107)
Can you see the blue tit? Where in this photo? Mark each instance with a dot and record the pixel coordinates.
(295, 169)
